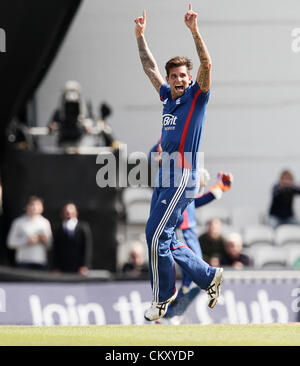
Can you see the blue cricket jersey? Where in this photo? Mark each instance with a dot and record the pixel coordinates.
(188, 219)
(182, 124)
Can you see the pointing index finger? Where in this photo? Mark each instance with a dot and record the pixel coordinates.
(144, 14)
(190, 6)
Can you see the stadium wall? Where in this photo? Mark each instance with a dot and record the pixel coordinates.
(249, 297)
(252, 124)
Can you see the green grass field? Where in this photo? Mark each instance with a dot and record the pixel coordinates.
(153, 335)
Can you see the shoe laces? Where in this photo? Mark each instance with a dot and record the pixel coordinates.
(211, 290)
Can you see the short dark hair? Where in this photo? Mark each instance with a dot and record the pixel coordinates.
(287, 173)
(67, 204)
(34, 199)
(178, 61)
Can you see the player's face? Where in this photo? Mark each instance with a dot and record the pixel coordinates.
(179, 80)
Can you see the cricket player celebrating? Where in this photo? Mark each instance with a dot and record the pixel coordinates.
(184, 106)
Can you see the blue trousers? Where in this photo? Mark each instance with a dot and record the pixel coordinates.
(167, 206)
(189, 237)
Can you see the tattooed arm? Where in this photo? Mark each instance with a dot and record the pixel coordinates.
(148, 62)
(204, 72)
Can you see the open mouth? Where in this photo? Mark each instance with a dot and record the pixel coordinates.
(179, 88)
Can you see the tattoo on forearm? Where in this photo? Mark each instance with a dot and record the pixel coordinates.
(201, 48)
(149, 63)
(203, 77)
(145, 54)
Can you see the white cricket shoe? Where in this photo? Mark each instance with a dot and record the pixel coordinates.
(158, 309)
(214, 289)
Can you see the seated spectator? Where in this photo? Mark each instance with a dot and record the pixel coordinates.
(283, 193)
(72, 243)
(212, 243)
(233, 255)
(137, 265)
(30, 235)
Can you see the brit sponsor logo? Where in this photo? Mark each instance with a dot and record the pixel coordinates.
(169, 121)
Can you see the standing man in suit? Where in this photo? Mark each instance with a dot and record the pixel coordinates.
(72, 243)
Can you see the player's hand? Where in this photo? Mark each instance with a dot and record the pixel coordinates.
(225, 180)
(157, 158)
(140, 25)
(32, 240)
(42, 238)
(53, 126)
(204, 177)
(190, 19)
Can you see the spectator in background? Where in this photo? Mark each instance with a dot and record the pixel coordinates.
(283, 193)
(213, 243)
(70, 118)
(233, 255)
(105, 133)
(72, 243)
(137, 263)
(30, 235)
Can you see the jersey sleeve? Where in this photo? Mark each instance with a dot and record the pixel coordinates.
(203, 97)
(164, 91)
(204, 199)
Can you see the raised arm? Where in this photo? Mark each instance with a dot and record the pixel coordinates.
(204, 71)
(148, 62)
